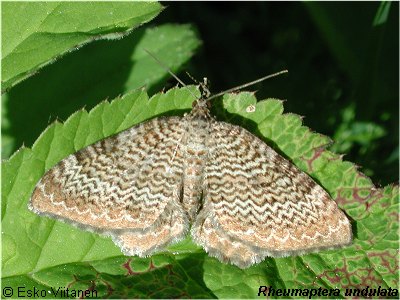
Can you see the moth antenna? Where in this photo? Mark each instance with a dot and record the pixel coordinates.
(166, 68)
(248, 84)
(191, 77)
(205, 92)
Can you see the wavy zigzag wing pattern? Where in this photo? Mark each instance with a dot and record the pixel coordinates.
(125, 186)
(146, 185)
(258, 204)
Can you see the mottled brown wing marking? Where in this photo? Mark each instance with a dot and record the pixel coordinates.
(207, 232)
(171, 226)
(262, 202)
(120, 183)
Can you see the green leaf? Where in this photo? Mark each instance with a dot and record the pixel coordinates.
(61, 255)
(101, 70)
(351, 131)
(36, 33)
(382, 14)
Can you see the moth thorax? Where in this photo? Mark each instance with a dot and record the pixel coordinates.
(201, 109)
(195, 158)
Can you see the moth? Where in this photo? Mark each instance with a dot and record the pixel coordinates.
(154, 183)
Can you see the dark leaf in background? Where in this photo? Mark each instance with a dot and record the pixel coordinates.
(341, 56)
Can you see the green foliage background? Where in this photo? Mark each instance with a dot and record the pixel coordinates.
(343, 61)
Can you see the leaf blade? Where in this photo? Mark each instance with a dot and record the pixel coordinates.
(373, 244)
(36, 33)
